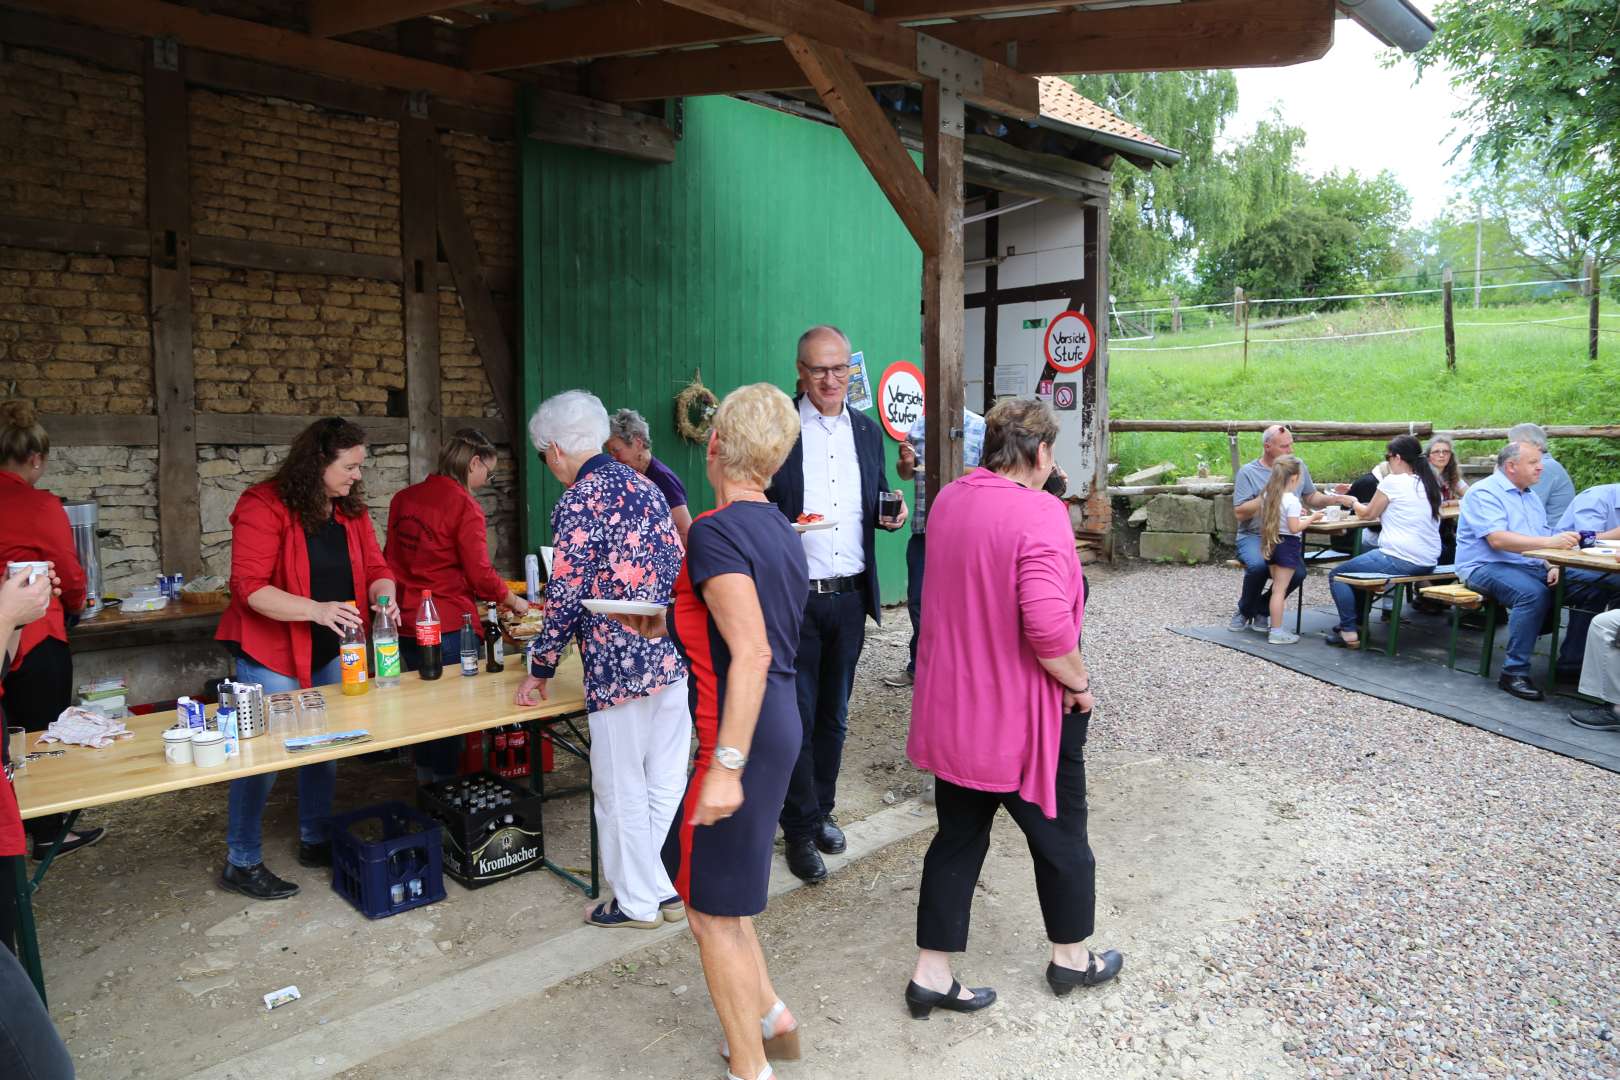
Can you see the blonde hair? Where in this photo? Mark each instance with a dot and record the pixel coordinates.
(1283, 471)
(459, 451)
(755, 428)
(21, 433)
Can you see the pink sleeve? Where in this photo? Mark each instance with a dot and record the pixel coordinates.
(1045, 579)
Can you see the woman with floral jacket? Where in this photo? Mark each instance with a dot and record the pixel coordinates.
(615, 541)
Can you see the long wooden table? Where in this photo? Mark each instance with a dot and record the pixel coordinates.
(414, 712)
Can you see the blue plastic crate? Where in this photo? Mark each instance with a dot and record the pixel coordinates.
(365, 871)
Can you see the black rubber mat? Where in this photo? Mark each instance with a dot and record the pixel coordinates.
(1417, 676)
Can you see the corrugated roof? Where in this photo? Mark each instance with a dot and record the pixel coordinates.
(1062, 103)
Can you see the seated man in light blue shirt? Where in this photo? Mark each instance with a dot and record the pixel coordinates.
(1595, 510)
(1555, 489)
(1502, 519)
(910, 467)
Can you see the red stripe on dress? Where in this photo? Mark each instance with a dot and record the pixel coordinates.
(692, 627)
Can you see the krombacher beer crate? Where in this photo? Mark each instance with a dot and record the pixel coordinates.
(491, 827)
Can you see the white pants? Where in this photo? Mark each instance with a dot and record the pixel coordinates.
(638, 774)
(1600, 671)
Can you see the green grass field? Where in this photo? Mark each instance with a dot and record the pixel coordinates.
(1506, 374)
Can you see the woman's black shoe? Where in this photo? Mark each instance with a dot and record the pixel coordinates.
(1062, 979)
(315, 856)
(82, 838)
(922, 1001)
(256, 881)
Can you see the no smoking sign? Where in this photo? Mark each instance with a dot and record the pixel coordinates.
(1065, 396)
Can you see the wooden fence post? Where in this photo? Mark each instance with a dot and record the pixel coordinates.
(1237, 305)
(1243, 305)
(1592, 290)
(1175, 314)
(1451, 327)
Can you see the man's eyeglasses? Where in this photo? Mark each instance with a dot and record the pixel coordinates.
(836, 371)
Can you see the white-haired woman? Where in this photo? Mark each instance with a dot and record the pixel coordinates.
(630, 443)
(614, 541)
(738, 607)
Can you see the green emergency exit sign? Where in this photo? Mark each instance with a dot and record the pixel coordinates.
(1034, 324)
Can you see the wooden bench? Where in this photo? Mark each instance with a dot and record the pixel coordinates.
(1460, 598)
(1370, 586)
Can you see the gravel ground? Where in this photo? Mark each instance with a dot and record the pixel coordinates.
(1465, 925)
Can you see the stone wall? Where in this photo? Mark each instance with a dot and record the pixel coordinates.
(292, 174)
(1174, 528)
(123, 481)
(296, 344)
(71, 324)
(75, 147)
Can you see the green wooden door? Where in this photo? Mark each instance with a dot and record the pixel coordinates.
(639, 275)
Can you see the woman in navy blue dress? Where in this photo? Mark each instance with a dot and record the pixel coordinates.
(737, 607)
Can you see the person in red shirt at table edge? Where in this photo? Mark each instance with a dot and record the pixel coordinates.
(438, 543)
(305, 567)
(34, 528)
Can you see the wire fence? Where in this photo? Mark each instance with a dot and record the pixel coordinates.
(1143, 324)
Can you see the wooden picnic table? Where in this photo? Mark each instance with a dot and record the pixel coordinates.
(1574, 559)
(416, 711)
(1347, 524)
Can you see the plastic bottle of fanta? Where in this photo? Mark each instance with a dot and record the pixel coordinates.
(353, 652)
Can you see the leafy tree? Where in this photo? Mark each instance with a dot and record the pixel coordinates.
(1549, 219)
(1539, 72)
(1158, 216)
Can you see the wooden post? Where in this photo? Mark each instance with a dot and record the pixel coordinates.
(992, 303)
(533, 527)
(1237, 305)
(1175, 314)
(1243, 304)
(1237, 458)
(168, 220)
(943, 329)
(1479, 249)
(419, 259)
(1451, 326)
(1093, 297)
(1593, 288)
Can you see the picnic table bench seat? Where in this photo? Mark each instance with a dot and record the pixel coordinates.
(1370, 585)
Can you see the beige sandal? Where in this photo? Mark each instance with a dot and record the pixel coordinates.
(781, 1047)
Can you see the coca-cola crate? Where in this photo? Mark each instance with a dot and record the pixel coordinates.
(507, 751)
(492, 827)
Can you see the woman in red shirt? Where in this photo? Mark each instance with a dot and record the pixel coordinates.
(34, 528)
(437, 543)
(305, 567)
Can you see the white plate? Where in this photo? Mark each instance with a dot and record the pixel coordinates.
(623, 607)
(813, 526)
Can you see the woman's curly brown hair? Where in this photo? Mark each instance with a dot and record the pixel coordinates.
(299, 480)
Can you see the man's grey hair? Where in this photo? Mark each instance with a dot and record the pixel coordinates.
(1534, 434)
(628, 425)
(817, 331)
(574, 421)
(1512, 451)
(1271, 433)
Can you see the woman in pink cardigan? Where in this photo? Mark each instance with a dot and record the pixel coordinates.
(1001, 706)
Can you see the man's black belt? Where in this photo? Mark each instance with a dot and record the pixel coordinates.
(835, 584)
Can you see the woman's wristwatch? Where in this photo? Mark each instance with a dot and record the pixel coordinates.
(730, 758)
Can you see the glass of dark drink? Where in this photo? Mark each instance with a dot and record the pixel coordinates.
(888, 505)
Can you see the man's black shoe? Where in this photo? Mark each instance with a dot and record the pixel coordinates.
(804, 860)
(1604, 718)
(315, 856)
(1520, 686)
(256, 881)
(829, 837)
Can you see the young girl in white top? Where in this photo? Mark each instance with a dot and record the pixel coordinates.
(1282, 527)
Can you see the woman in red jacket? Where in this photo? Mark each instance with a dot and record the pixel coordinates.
(305, 567)
(437, 543)
(34, 528)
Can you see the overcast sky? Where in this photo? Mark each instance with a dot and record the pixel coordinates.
(1360, 115)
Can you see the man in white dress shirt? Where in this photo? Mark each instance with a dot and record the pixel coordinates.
(836, 470)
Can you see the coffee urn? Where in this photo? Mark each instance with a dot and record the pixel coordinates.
(83, 517)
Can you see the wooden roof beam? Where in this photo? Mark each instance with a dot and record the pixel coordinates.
(726, 69)
(844, 93)
(1194, 34)
(897, 10)
(589, 31)
(239, 37)
(331, 18)
(872, 43)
